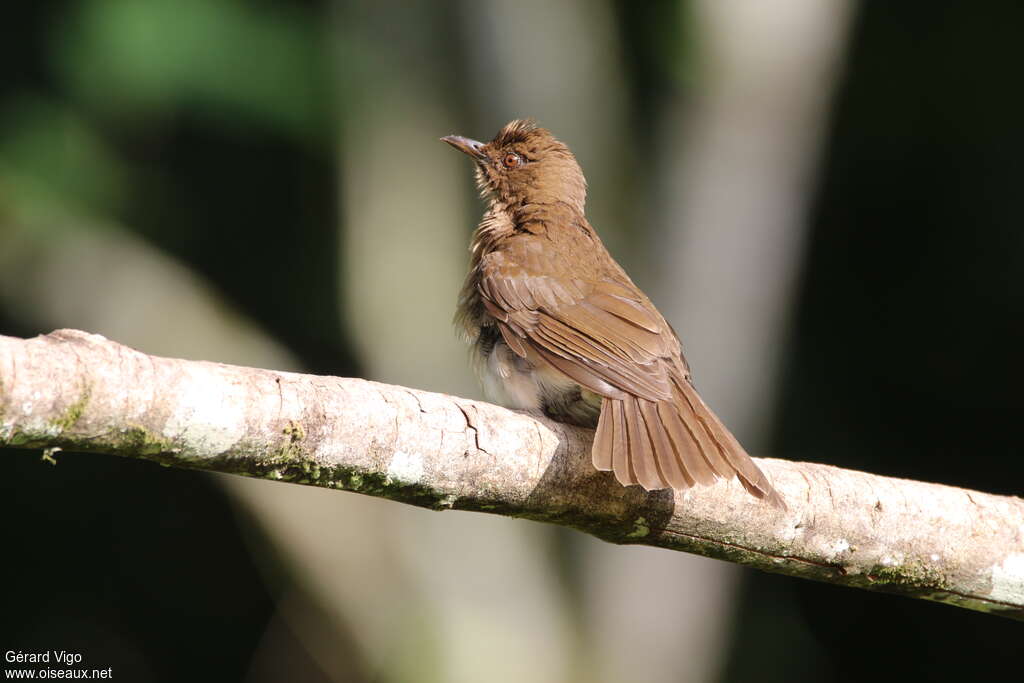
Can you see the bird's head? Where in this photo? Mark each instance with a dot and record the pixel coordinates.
(525, 164)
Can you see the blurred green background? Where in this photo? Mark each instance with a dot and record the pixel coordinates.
(822, 196)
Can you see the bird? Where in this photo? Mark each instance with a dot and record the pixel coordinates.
(556, 326)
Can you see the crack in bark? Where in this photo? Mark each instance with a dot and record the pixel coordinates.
(416, 398)
(839, 569)
(471, 426)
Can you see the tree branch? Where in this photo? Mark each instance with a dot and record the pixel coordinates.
(76, 391)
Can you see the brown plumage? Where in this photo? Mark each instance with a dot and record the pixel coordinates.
(558, 327)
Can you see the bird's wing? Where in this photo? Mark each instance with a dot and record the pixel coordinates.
(602, 334)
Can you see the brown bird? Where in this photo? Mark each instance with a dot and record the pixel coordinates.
(557, 326)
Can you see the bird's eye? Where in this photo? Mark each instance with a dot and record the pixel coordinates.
(511, 160)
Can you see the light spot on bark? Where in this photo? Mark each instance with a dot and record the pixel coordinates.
(1008, 580)
(204, 419)
(837, 547)
(406, 467)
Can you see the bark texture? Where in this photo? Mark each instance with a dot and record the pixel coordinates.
(80, 392)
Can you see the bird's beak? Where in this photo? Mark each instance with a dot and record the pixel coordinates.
(466, 146)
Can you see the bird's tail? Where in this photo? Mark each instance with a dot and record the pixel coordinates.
(673, 444)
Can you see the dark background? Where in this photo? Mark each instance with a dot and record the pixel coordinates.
(903, 356)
